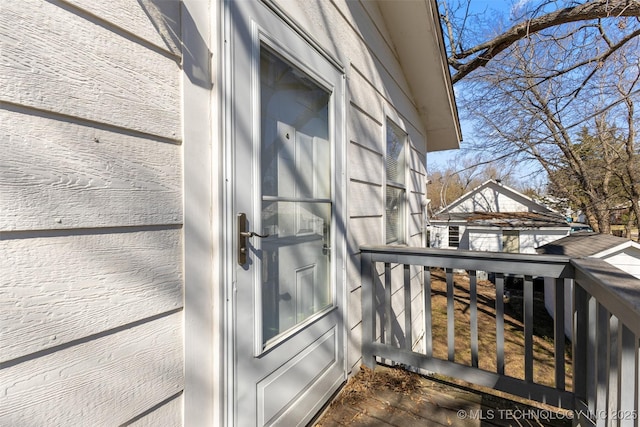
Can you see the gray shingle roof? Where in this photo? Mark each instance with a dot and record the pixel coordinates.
(581, 244)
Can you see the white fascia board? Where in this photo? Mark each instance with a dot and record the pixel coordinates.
(415, 30)
(617, 248)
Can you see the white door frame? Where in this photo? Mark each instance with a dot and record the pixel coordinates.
(339, 217)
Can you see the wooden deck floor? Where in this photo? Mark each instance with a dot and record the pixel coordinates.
(394, 397)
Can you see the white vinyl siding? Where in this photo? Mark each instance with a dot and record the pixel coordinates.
(367, 50)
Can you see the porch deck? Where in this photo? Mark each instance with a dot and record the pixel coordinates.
(395, 397)
(417, 312)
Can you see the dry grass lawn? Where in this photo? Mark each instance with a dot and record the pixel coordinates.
(543, 349)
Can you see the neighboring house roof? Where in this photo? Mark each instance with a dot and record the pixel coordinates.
(492, 204)
(492, 196)
(506, 219)
(581, 245)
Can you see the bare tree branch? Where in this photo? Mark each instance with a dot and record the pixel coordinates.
(482, 53)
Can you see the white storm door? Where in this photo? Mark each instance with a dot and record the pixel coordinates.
(286, 107)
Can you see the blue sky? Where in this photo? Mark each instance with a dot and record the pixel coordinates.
(504, 7)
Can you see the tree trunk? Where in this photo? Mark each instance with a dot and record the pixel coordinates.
(635, 211)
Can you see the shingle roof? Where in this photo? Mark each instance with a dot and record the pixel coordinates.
(507, 219)
(581, 244)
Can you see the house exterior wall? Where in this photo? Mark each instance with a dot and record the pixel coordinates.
(494, 198)
(91, 213)
(492, 239)
(106, 288)
(439, 236)
(355, 33)
(485, 240)
(530, 239)
(626, 259)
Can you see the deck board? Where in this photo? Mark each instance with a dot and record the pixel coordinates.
(394, 397)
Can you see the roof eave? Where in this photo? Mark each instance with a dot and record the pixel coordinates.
(414, 27)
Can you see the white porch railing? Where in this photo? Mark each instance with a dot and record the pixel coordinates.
(605, 318)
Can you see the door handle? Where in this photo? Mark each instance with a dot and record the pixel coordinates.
(253, 234)
(243, 235)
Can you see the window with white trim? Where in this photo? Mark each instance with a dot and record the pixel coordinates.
(454, 236)
(396, 188)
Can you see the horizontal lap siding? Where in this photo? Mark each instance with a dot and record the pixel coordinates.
(168, 414)
(365, 199)
(58, 174)
(59, 289)
(365, 165)
(105, 381)
(364, 130)
(156, 22)
(91, 290)
(59, 61)
(364, 231)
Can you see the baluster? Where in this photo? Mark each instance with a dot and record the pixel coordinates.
(407, 308)
(451, 333)
(614, 366)
(558, 339)
(592, 385)
(500, 323)
(528, 329)
(637, 379)
(388, 332)
(602, 363)
(473, 300)
(580, 344)
(627, 387)
(428, 324)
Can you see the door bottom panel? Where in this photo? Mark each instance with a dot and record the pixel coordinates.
(300, 379)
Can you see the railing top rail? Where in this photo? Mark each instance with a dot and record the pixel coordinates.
(525, 264)
(404, 249)
(616, 290)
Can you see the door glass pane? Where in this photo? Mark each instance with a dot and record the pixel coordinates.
(296, 154)
(296, 196)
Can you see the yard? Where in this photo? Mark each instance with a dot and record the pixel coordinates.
(513, 325)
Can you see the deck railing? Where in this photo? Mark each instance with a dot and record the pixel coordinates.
(605, 319)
